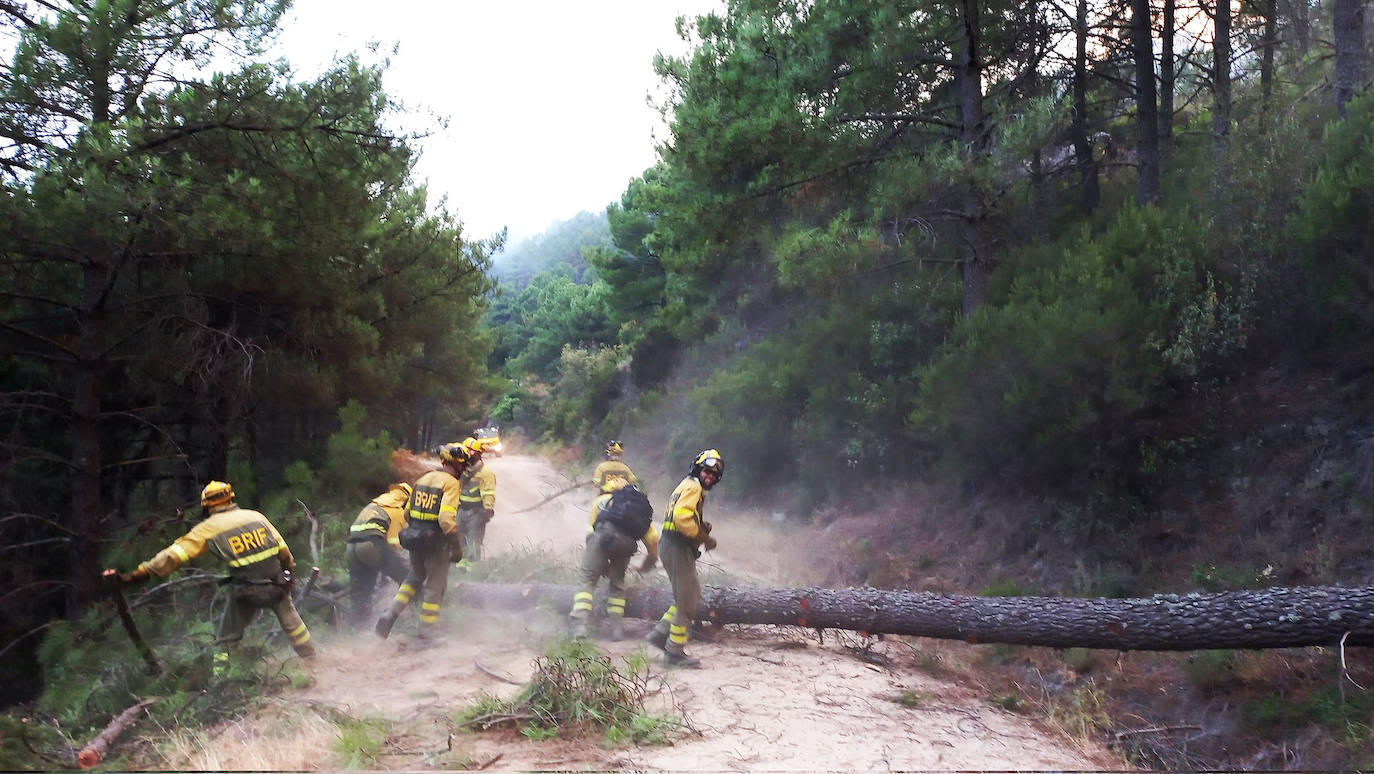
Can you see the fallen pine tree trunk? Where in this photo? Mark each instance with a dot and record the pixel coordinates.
(1265, 618)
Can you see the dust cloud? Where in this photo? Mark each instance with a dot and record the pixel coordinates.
(768, 699)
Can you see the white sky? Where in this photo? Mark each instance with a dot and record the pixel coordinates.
(546, 99)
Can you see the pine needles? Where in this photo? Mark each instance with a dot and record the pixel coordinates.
(578, 689)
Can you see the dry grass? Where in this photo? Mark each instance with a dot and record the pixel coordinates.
(280, 737)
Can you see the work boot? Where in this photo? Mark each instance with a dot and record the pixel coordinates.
(615, 629)
(680, 660)
(658, 638)
(306, 651)
(384, 624)
(578, 628)
(424, 642)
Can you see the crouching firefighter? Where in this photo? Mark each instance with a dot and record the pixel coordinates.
(260, 566)
(685, 533)
(374, 548)
(621, 519)
(431, 537)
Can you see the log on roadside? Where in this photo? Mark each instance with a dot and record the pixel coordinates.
(94, 752)
(1264, 618)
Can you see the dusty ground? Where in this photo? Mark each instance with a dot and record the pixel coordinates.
(768, 699)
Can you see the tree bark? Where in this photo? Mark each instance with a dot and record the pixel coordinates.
(1083, 150)
(1268, 618)
(1347, 23)
(969, 79)
(1270, 42)
(83, 564)
(1147, 111)
(1167, 79)
(1221, 92)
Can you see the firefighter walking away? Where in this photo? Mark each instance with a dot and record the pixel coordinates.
(431, 537)
(685, 532)
(260, 567)
(621, 519)
(611, 473)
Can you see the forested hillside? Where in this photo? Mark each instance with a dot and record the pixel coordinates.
(1065, 298)
(1012, 245)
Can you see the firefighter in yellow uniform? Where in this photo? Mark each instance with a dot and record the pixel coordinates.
(431, 537)
(374, 549)
(615, 529)
(612, 470)
(477, 504)
(685, 533)
(260, 566)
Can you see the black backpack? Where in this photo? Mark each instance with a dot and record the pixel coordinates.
(628, 511)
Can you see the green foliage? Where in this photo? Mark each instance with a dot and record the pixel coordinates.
(91, 670)
(1334, 230)
(577, 688)
(1214, 577)
(588, 382)
(1011, 702)
(356, 466)
(1210, 670)
(1003, 588)
(910, 698)
(1078, 369)
(360, 742)
(1081, 660)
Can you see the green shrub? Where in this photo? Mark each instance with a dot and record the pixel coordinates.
(360, 742)
(356, 467)
(1068, 385)
(909, 698)
(1334, 230)
(1210, 670)
(575, 688)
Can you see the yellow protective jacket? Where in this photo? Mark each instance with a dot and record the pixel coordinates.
(649, 539)
(608, 473)
(245, 540)
(384, 517)
(479, 488)
(435, 499)
(685, 509)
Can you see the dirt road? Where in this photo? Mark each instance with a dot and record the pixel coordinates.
(768, 699)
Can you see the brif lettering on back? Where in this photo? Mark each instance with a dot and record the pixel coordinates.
(245, 542)
(425, 500)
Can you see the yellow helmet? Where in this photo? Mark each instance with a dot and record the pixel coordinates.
(216, 493)
(405, 488)
(614, 449)
(473, 446)
(709, 460)
(455, 453)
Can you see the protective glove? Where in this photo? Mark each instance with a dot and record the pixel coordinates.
(709, 543)
(138, 575)
(487, 514)
(455, 550)
(648, 564)
(706, 527)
